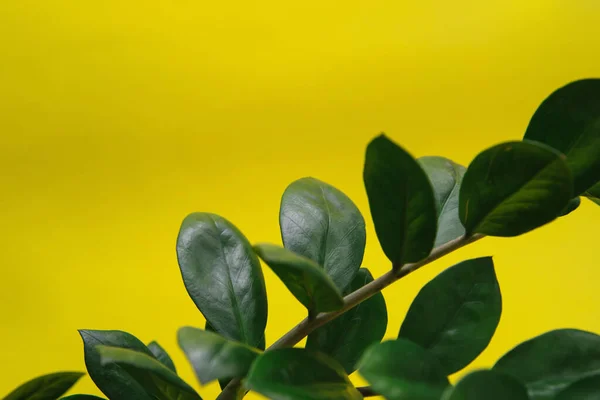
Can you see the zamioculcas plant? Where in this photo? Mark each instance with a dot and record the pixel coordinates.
(422, 209)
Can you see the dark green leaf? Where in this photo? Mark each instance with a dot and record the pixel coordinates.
(401, 201)
(223, 276)
(445, 177)
(456, 314)
(488, 385)
(593, 193)
(321, 223)
(402, 370)
(585, 389)
(569, 121)
(235, 392)
(306, 280)
(46, 387)
(550, 362)
(346, 337)
(299, 374)
(514, 187)
(572, 205)
(214, 357)
(223, 382)
(82, 397)
(112, 380)
(157, 379)
(161, 355)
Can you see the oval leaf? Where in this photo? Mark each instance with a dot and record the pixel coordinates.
(114, 381)
(402, 370)
(223, 277)
(306, 280)
(46, 387)
(488, 385)
(445, 177)
(550, 362)
(401, 201)
(593, 193)
(299, 374)
(585, 389)
(82, 397)
(321, 223)
(571, 206)
(214, 357)
(160, 381)
(514, 187)
(456, 314)
(569, 121)
(161, 355)
(348, 336)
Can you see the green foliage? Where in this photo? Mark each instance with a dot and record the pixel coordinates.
(421, 210)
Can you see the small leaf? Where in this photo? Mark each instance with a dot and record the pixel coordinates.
(161, 355)
(347, 337)
(402, 370)
(159, 381)
(82, 397)
(585, 389)
(569, 121)
(214, 357)
(514, 187)
(401, 201)
(306, 280)
(572, 205)
(223, 276)
(456, 314)
(593, 193)
(112, 380)
(46, 387)
(299, 374)
(445, 177)
(550, 362)
(488, 385)
(321, 223)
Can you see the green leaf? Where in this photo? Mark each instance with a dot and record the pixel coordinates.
(46, 387)
(572, 205)
(82, 397)
(402, 370)
(401, 201)
(223, 382)
(114, 381)
(569, 121)
(488, 385)
(445, 177)
(299, 374)
(593, 193)
(161, 355)
(214, 357)
(514, 187)
(223, 276)
(321, 223)
(456, 314)
(308, 282)
(585, 389)
(550, 362)
(348, 336)
(159, 380)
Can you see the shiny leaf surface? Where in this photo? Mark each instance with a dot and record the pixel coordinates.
(585, 389)
(488, 385)
(46, 387)
(161, 355)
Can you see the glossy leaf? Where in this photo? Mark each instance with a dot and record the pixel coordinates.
(402, 370)
(549, 363)
(572, 205)
(82, 397)
(348, 336)
(488, 385)
(157, 379)
(514, 187)
(445, 177)
(214, 357)
(46, 387)
(299, 374)
(321, 223)
(161, 355)
(569, 121)
(593, 193)
(455, 315)
(585, 389)
(306, 280)
(401, 201)
(114, 381)
(223, 276)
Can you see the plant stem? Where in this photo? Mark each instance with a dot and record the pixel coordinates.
(308, 325)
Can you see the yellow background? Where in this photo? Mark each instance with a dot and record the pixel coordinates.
(118, 118)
